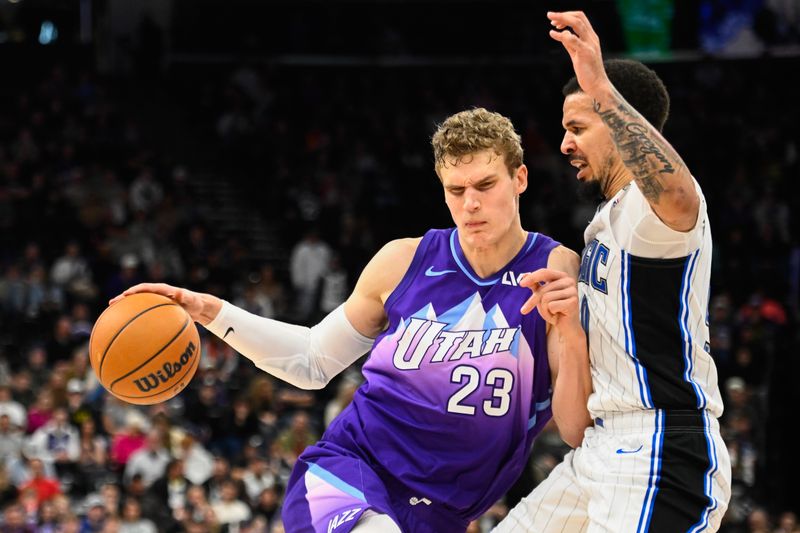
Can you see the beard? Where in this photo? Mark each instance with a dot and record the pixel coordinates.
(591, 191)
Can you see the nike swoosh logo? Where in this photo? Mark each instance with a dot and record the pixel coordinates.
(431, 272)
(230, 330)
(629, 451)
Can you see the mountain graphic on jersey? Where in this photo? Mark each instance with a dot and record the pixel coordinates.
(476, 352)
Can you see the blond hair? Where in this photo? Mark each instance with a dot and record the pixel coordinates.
(475, 130)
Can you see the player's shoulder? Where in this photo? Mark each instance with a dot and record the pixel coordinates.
(564, 259)
(387, 267)
(562, 254)
(399, 249)
(395, 256)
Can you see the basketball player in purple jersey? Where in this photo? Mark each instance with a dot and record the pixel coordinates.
(654, 459)
(475, 343)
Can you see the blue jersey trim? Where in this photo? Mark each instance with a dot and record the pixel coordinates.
(454, 250)
(711, 449)
(655, 474)
(688, 342)
(463, 268)
(627, 324)
(334, 481)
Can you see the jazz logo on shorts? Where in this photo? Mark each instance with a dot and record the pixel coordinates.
(341, 518)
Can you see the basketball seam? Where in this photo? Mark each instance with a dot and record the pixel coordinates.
(117, 334)
(188, 370)
(185, 325)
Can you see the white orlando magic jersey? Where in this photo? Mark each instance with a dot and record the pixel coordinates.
(644, 292)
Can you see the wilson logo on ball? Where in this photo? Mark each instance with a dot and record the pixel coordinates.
(167, 371)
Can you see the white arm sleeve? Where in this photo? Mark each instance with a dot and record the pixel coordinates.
(305, 357)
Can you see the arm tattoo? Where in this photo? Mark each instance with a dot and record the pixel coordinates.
(643, 152)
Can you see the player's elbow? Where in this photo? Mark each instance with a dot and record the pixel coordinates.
(304, 374)
(571, 430)
(572, 438)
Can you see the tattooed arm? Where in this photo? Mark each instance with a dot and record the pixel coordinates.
(657, 168)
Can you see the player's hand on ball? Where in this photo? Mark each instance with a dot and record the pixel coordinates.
(555, 295)
(191, 301)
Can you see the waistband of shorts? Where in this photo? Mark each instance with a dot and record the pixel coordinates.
(663, 419)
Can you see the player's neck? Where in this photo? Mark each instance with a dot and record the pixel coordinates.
(616, 182)
(488, 260)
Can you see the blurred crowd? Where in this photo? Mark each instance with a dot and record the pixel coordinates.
(338, 161)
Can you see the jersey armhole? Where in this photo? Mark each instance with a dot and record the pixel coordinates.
(411, 273)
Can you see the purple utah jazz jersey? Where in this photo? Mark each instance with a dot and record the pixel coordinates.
(459, 383)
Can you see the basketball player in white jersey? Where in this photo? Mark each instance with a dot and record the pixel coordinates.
(654, 459)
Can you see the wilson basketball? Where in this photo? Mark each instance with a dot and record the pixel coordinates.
(144, 348)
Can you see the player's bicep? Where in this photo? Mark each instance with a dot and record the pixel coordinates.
(365, 306)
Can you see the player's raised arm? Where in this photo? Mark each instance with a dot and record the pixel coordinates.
(657, 168)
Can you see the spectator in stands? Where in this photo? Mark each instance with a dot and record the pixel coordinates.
(15, 411)
(78, 409)
(257, 477)
(197, 507)
(48, 520)
(132, 520)
(14, 520)
(198, 463)
(71, 273)
(95, 515)
(42, 409)
(62, 342)
(149, 461)
(170, 492)
(269, 285)
(294, 439)
(309, 261)
(348, 384)
(230, 510)
(44, 486)
(11, 440)
(57, 442)
(128, 439)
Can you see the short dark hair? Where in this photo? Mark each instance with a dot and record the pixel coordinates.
(639, 85)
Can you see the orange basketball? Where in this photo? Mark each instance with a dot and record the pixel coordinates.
(144, 348)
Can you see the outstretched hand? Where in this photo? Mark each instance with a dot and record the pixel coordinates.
(555, 295)
(189, 300)
(573, 30)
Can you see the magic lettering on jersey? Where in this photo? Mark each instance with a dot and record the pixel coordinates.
(595, 255)
(421, 335)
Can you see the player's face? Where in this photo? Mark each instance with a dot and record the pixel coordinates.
(483, 197)
(587, 142)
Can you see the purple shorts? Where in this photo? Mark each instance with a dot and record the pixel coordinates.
(329, 490)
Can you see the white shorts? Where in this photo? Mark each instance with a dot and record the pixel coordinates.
(655, 471)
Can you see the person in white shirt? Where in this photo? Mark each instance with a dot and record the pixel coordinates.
(150, 461)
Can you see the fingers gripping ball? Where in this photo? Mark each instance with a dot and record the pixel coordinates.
(144, 348)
